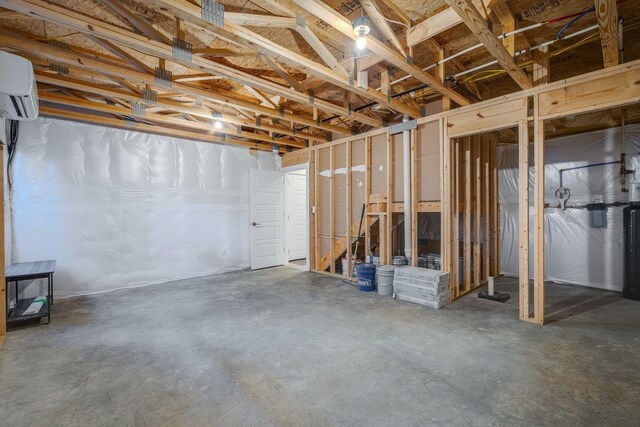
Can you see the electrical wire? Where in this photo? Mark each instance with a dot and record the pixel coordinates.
(14, 127)
(576, 19)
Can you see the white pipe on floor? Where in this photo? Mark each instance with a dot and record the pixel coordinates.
(406, 157)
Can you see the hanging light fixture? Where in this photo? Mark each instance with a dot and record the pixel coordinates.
(361, 27)
(217, 123)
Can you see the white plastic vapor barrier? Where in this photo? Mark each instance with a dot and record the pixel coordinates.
(120, 208)
(575, 252)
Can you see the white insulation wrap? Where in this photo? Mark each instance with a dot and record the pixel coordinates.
(575, 252)
(121, 208)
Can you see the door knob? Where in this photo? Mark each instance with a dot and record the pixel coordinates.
(254, 224)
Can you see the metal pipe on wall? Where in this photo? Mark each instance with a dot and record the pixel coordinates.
(406, 159)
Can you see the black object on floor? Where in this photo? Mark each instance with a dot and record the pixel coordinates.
(497, 296)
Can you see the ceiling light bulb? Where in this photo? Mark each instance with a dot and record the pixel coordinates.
(361, 27)
(216, 120)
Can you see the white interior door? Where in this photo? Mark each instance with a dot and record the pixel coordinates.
(296, 213)
(266, 216)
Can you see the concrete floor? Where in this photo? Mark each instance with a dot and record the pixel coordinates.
(282, 347)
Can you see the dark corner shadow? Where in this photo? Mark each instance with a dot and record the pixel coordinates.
(579, 304)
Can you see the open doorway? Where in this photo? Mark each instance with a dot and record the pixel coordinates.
(296, 218)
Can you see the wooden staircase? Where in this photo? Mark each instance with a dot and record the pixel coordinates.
(341, 244)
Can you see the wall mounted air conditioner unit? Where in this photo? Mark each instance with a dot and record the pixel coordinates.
(18, 91)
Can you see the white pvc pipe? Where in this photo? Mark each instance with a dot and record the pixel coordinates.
(406, 158)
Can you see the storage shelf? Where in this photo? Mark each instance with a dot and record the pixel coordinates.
(15, 315)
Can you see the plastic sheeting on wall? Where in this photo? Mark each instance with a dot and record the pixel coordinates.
(575, 252)
(120, 208)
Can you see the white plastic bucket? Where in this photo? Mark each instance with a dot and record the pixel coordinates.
(385, 280)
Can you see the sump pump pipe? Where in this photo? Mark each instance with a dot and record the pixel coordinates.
(406, 158)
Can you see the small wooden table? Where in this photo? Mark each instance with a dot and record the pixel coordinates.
(29, 271)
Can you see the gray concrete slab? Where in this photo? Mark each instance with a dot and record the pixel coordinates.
(281, 347)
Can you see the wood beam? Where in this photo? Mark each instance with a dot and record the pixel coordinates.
(607, 13)
(58, 113)
(219, 96)
(88, 25)
(478, 26)
(541, 66)
(342, 24)
(382, 24)
(282, 73)
(191, 13)
(111, 93)
(317, 45)
(397, 11)
(253, 20)
(160, 119)
(133, 19)
(441, 22)
(130, 59)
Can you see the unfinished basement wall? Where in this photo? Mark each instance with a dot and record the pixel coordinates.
(575, 253)
(368, 170)
(122, 208)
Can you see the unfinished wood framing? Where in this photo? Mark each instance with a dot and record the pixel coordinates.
(458, 165)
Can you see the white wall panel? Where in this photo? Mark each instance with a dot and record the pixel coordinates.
(120, 208)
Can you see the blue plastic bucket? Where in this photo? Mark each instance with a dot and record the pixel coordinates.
(366, 277)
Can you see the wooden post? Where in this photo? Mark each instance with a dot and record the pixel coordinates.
(445, 197)
(468, 167)
(486, 253)
(349, 207)
(367, 192)
(316, 182)
(495, 214)
(523, 224)
(477, 206)
(312, 212)
(538, 217)
(414, 198)
(455, 215)
(388, 231)
(332, 214)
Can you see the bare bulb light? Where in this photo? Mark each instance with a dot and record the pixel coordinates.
(217, 123)
(361, 27)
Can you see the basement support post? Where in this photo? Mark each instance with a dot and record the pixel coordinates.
(406, 161)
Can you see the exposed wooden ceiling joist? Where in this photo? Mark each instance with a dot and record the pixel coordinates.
(342, 24)
(221, 97)
(65, 114)
(338, 76)
(88, 25)
(478, 26)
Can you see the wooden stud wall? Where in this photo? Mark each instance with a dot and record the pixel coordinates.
(469, 178)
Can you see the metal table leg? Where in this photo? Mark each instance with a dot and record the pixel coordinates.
(50, 299)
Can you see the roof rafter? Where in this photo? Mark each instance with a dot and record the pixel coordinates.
(342, 24)
(192, 13)
(478, 26)
(71, 58)
(88, 25)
